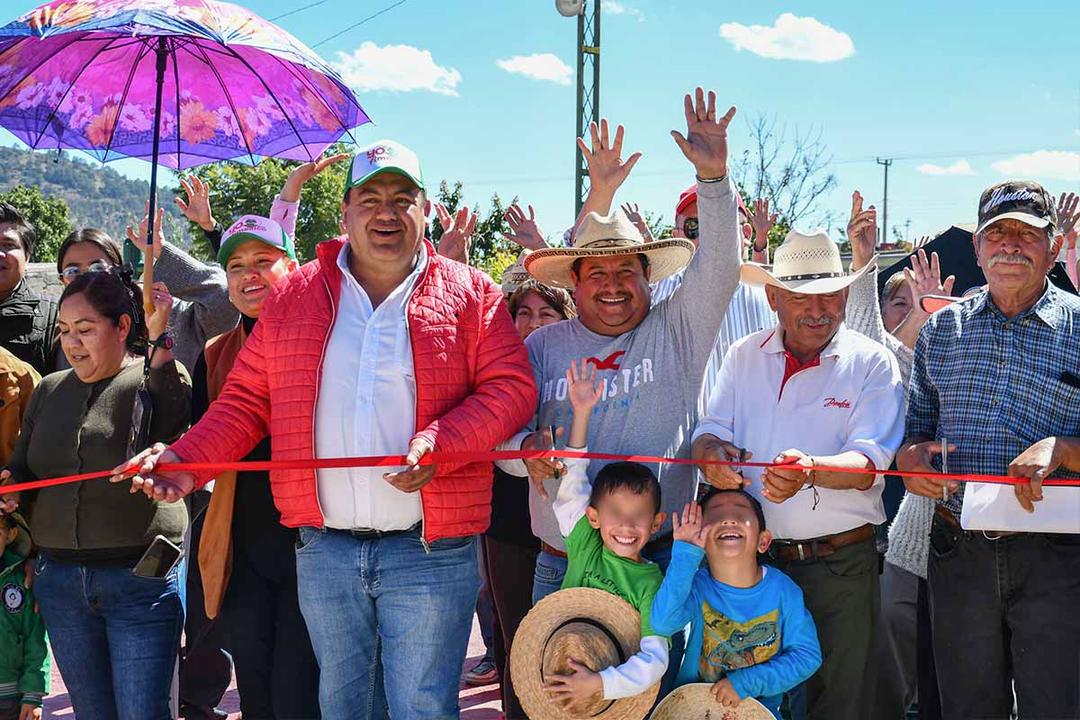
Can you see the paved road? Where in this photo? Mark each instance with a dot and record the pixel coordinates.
(479, 703)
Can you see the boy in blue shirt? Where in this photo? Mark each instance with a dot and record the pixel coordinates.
(750, 633)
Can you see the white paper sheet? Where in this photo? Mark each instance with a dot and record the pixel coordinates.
(992, 507)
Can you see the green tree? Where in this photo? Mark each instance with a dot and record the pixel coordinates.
(239, 189)
(490, 250)
(49, 216)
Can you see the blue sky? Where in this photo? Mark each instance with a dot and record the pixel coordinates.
(980, 91)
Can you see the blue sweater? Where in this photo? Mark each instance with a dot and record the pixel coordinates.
(761, 638)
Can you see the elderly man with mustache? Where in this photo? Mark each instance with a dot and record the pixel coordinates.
(997, 377)
(824, 403)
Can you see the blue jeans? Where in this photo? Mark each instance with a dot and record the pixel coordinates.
(114, 635)
(363, 599)
(548, 578)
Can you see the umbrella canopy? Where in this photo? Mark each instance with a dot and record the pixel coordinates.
(82, 75)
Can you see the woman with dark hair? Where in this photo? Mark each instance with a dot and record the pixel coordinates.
(201, 307)
(509, 546)
(114, 634)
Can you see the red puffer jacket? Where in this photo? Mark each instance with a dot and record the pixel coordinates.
(474, 388)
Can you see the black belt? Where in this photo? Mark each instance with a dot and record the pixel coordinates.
(368, 534)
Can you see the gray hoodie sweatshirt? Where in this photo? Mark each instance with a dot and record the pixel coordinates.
(652, 375)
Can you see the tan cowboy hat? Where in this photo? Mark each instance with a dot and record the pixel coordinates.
(592, 627)
(808, 264)
(696, 702)
(605, 236)
(516, 275)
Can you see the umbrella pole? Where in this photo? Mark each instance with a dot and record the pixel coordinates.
(148, 253)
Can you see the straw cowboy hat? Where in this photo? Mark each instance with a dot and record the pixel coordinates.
(592, 627)
(516, 275)
(606, 236)
(697, 702)
(808, 264)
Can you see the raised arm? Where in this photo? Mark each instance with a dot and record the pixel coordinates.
(607, 169)
(697, 307)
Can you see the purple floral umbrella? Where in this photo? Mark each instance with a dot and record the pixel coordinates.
(180, 82)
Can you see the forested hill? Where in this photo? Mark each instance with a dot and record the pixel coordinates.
(96, 195)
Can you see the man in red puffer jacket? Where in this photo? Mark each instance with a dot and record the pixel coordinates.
(378, 347)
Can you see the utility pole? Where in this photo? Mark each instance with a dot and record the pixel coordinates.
(588, 91)
(885, 202)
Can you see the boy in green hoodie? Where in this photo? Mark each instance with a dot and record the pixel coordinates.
(24, 653)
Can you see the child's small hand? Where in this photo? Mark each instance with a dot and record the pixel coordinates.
(584, 391)
(690, 529)
(725, 693)
(30, 712)
(577, 689)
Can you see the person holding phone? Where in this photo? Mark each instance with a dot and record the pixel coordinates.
(114, 632)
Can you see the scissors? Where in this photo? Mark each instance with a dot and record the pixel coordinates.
(944, 469)
(551, 433)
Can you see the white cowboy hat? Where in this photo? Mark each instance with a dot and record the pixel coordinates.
(605, 236)
(808, 264)
(515, 276)
(590, 626)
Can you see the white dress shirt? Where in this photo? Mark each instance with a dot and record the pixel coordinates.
(853, 399)
(367, 406)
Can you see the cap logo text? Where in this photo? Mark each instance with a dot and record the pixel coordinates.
(999, 196)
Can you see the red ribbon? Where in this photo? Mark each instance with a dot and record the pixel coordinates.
(492, 455)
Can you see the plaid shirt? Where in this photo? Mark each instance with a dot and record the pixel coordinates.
(993, 385)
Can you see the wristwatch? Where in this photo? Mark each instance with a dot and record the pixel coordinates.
(164, 341)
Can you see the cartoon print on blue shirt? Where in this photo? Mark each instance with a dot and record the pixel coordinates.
(728, 645)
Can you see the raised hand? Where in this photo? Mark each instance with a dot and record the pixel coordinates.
(523, 229)
(607, 169)
(689, 528)
(861, 232)
(634, 214)
(290, 191)
(158, 320)
(921, 241)
(1068, 212)
(924, 277)
(763, 223)
(457, 232)
(139, 239)
(705, 144)
(197, 206)
(583, 389)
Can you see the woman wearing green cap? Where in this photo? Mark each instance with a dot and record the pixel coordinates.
(245, 554)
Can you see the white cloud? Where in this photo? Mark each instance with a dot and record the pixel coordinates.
(396, 68)
(791, 38)
(611, 7)
(1042, 164)
(540, 66)
(960, 167)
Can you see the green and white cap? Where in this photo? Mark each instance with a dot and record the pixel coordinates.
(255, 227)
(384, 156)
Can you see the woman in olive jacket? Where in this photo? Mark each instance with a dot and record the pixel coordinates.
(114, 634)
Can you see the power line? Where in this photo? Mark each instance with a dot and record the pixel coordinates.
(298, 10)
(386, 9)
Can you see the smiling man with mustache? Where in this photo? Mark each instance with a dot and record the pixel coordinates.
(998, 375)
(806, 394)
